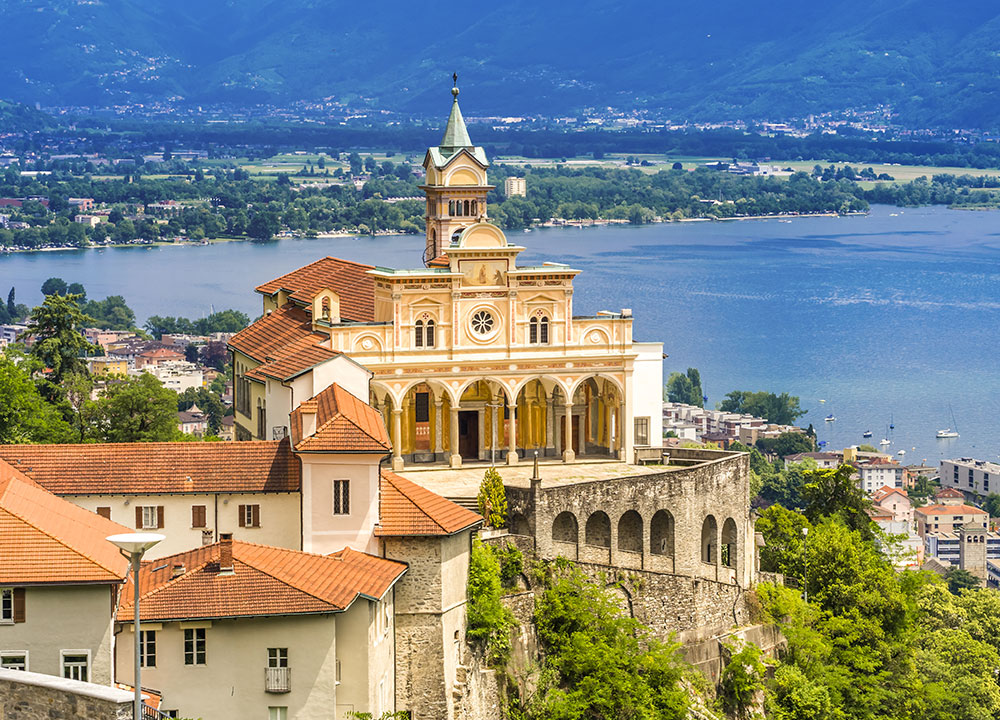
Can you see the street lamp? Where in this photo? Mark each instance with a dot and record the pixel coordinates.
(133, 546)
(805, 563)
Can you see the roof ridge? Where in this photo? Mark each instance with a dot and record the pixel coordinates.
(412, 501)
(129, 602)
(286, 582)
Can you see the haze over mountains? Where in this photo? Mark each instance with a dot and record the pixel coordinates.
(937, 63)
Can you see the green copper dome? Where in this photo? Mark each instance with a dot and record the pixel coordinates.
(456, 136)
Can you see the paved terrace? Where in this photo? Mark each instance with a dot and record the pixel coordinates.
(464, 482)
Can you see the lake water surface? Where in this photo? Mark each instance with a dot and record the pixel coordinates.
(891, 315)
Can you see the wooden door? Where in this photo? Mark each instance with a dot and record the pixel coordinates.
(468, 434)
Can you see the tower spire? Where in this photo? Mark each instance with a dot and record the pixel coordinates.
(456, 135)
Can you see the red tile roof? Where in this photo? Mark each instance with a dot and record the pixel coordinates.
(343, 424)
(46, 539)
(160, 467)
(294, 359)
(948, 492)
(950, 510)
(284, 342)
(265, 581)
(350, 280)
(405, 508)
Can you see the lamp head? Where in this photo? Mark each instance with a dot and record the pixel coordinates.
(132, 543)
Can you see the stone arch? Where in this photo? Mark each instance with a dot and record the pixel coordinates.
(630, 532)
(565, 528)
(661, 533)
(597, 376)
(730, 543)
(710, 540)
(519, 525)
(598, 530)
(621, 597)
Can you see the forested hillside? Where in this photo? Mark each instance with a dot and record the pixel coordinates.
(699, 60)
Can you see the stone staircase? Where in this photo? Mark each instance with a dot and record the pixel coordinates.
(469, 503)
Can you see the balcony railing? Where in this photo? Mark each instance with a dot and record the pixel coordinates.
(277, 680)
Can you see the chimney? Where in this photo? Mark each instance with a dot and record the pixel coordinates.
(308, 411)
(178, 570)
(225, 553)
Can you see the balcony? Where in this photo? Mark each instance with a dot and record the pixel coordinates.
(277, 679)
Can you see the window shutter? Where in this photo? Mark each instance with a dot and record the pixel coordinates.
(138, 517)
(256, 515)
(159, 516)
(104, 512)
(18, 605)
(198, 516)
(243, 515)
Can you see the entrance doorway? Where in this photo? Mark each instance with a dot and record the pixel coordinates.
(468, 434)
(576, 432)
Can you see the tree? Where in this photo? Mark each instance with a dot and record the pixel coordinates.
(191, 353)
(111, 313)
(59, 345)
(492, 499)
(207, 401)
(959, 580)
(783, 549)
(11, 304)
(742, 682)
(685, 388)
(77, 289)
(135, 409)
(488, 622)
(25, 416)
(777, 409)
(54, 286)
(833, 492)
(263, 225)
(788, 443)
(991, 504)
(215, 355)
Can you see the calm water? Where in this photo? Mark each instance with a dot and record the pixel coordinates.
(893, 315)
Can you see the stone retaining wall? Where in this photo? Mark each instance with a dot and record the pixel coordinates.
(33, 696)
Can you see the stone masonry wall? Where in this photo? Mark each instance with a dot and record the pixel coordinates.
(32, 696)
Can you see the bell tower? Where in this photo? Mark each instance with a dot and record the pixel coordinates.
(456, 184)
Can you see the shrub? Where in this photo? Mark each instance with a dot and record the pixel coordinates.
(492, 499)
(488, 621)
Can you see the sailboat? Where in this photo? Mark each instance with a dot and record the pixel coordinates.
(948, 432)
(866, 434)
(830, 418)
(892, 425)
(885, 439)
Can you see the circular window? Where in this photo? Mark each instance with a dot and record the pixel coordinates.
(482, 322)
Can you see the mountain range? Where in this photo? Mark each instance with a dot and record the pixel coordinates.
(936, 64)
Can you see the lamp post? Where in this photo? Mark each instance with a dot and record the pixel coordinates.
(134, 546)
(805, 563)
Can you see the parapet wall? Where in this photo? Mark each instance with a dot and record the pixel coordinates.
(33, 696)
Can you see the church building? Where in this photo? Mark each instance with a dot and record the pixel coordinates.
(469, 358)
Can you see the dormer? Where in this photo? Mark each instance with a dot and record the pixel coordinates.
(325, 308)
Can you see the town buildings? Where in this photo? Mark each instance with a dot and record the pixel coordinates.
(515, 187)
(947, 513)
(975, 478)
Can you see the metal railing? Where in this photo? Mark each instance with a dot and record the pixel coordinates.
(277, 679)
(151, 713)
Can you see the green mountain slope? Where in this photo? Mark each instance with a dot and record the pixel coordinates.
(936, 63)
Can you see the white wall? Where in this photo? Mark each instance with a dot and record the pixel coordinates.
(647, 389)
(279, 517)
(67, 617)
(323, 532)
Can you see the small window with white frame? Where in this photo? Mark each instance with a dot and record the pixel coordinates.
(194, 646)
(14, 659)
(150, 517)
(277, 713)
(76, 665)
(147, 648)
(341, 497)
(277, 657)
(6, 605)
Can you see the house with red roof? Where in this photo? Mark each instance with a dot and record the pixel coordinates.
(59, 583)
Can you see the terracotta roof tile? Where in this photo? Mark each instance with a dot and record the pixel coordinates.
(405, 508)
(294, 359)
(265, 581)
(272, 333)
(343, 424)
(46, 539)
(948, 492)
(350, 280)
(950, 510)
(160, 467)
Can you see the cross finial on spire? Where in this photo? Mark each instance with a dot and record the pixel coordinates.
(454, 81)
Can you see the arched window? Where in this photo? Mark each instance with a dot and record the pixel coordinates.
(661, 533)
(598, 530)
(533, 330)
(429, 334)
(451, 207)
(709, 541)
(456, 235)
(326, 308)
(730, 536)
(543, 331)
(467, 208)
(418, 334)
(475, 207)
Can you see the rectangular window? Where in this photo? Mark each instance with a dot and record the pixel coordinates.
(341, 497)
(199, 517)
(14, 660)
(277, 713)
(642, 431)
(147, 648)
(249, 515)
(104, 512)
(76, 665)
(194, 646)
(277, 657)
(422, 407)
(6, 605)
(149, 517)
(543, 331)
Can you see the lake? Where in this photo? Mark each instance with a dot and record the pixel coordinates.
(893, 315)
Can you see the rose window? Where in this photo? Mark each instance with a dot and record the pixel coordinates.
(482, 323)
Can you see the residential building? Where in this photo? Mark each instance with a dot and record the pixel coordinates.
(90, 220)
(515, 187)
(83, 205)
(155, 356)
(227, 428)
(166, 208)
(105, 338)
(972, 477)
(177, 375)
(59, 583)
(192, 421)
(11, 332)
(878, 473)
(107, 365)
(285, 633)
(897, 503)
(947, 513)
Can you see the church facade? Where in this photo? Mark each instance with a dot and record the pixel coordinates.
(471, 357)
